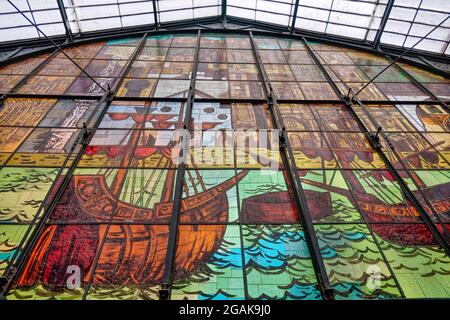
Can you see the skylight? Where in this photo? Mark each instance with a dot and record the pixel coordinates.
(407, 21)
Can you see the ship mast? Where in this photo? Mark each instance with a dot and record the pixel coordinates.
(126, 160)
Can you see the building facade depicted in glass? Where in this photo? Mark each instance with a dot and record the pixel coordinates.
(223, 166)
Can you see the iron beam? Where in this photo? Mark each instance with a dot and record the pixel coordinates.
(294, 16)
(299, 196)
(65, 20)
(224, 14)
(384, 20)
(169, 263)
(155, 14)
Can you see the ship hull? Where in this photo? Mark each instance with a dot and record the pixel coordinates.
(397, 223)
(130, 253)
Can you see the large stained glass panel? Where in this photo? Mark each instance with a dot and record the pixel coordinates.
(206, 161)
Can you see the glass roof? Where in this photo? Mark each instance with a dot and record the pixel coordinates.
(408, 20)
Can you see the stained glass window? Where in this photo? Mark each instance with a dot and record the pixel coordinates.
(243, 141)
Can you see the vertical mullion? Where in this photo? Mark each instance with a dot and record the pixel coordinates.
(224, 13)
(17, 86)
(289, 165)
(294, 15)
(329, 16)
(169, 263)
(384, 20)
(120, 14)
(32, 17)
(386, 261)
(97, 124)
(412, 23)
(241, 235)
(82, 139)
(155, 14)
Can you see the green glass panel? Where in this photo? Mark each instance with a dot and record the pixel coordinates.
(354, 264)
(421, 270)
(22, 192)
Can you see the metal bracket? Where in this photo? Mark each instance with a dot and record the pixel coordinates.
(375, 138)
(164, 292)
(85, 134)
(5, 282)
(282, 140)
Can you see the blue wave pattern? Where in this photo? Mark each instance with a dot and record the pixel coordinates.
(277, 263)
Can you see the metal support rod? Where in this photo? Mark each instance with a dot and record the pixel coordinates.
(373, 140)
(400, 56)
(294, 180)
(65, 20)
(112, 95)
(294, 16)
(169, 263)
(57, 46)
(384, 20)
